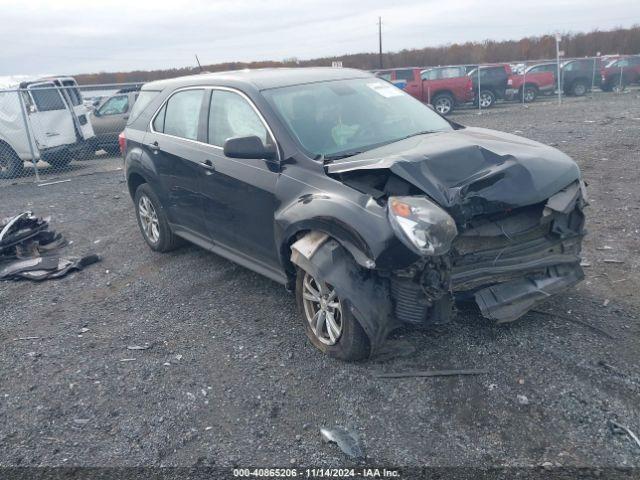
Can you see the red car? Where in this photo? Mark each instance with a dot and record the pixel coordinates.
(537, 79)
(442, 87)
(617, 74)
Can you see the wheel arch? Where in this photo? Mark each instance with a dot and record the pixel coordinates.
(134, 180)
(349, 239)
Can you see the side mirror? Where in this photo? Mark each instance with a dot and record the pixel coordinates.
(248, 147)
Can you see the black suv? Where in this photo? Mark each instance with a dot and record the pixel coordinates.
(494, 80)
(376, 210)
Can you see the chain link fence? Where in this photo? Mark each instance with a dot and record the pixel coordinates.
(53, 129)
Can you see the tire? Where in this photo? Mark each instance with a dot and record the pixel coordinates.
(530, 93)
(487, 99)
(152, 221)
(11, 165)
(349, 342)
(618, 86)
(62, 161)
(112, 150)
(443, 103)
(579, 88)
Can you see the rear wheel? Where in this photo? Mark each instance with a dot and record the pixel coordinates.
(618, 85)
(153, 221)
(61, 161)
(11, 165)
(112, 150)
(487, 99)
(329, 324)
(579, 88)
(443, 103)
(530, 93)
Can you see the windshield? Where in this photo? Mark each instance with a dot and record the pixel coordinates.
(341, 118)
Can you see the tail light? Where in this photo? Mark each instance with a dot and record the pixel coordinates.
(122, 143)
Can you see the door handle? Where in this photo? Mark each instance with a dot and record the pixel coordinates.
(154, 147)
(208, 164)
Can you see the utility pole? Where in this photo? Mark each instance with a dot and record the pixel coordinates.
(380, 41)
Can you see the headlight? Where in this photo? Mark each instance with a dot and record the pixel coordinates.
(422, 226)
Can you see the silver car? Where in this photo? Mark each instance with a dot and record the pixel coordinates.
(110, 118)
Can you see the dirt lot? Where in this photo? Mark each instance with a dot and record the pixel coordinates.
(229, 378)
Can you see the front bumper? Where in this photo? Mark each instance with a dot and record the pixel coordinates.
(508, 262)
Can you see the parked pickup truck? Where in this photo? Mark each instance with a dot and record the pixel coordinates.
(617, 74)
(535, 80)
(442, 87)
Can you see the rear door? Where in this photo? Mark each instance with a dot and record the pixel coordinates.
(239, 194)
(73, 97)
(49, 116)
(172, 144)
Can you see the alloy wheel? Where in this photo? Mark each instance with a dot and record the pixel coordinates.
(529, 95)
(149, 219)
(485, 100)
(322, 309)
(443, 105)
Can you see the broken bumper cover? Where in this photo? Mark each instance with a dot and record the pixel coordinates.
(506, 302)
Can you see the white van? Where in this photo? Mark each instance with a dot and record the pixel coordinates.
(54, 118)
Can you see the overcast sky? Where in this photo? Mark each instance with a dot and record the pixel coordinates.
(82, 36)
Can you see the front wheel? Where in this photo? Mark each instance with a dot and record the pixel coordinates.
(443, 103)
(329, 324)
(487, 99)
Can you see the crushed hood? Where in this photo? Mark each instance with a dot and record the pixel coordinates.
(471, 170)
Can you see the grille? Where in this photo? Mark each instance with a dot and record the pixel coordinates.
(410, 304)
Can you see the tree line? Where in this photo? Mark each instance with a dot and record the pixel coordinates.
(617, 41)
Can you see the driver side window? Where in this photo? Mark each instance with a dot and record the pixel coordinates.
(115, 105)
(230, 115)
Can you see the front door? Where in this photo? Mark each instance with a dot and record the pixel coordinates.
(177, 155)
(110, 118)
(239, 194)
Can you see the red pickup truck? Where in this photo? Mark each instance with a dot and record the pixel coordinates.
(442, 87)
(537, 79)
(617, 74)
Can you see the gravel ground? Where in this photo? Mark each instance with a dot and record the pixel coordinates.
(229, 378)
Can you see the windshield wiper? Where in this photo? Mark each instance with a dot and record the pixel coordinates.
(330, 158)
(423, 132)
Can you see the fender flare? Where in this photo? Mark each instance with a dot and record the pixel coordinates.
(365, 294)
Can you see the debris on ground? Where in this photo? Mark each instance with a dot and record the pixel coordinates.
(523, 399)
(146, 346)
(613, 260)
(430, 373)
(348, 442)
(620, 429)
(29, 250)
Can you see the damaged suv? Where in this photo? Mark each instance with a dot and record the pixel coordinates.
(376, 210)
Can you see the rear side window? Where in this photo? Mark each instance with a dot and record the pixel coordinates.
(230, 115)
(404, 74)
(47, 98)
(181, 114)
(143, 100)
